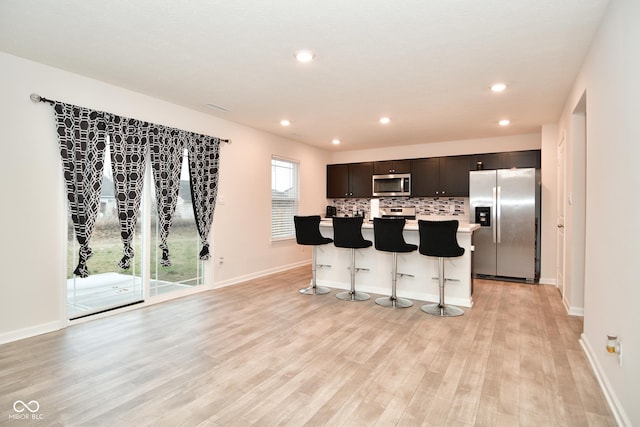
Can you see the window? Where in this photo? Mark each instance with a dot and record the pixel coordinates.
(285, 196)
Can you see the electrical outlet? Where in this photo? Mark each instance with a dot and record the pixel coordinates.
(221, 260)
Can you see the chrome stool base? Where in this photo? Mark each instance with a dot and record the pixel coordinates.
(353, 296)
(315, 290)
(442, 310)
(395, 303)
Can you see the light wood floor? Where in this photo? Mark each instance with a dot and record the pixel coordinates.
(261, 354)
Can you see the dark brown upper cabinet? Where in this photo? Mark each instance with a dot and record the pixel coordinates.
(349, 180)
(507, 160)
(523, 159)
(430, 177)
(391, 166)
(440, 176)
(488, 161)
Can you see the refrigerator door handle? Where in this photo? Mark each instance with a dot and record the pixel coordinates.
(498, 214)
(494, 229)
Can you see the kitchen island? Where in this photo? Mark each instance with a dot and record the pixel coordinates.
(419, 279)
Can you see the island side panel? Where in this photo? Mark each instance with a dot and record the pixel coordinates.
(420, 282)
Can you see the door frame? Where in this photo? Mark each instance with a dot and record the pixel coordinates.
(561, 210)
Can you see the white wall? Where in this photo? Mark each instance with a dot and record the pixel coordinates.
(609, 78)
(34, 212)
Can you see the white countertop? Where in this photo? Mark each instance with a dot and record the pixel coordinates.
(411, 224)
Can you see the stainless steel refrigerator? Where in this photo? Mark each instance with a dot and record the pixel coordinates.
(506, 204)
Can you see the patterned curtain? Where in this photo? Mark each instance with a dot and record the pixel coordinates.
(129, 146)
(167, 151)
(81, 135)
(82, 138)
(204, 160)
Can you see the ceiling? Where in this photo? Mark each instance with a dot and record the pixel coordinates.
(426, 64)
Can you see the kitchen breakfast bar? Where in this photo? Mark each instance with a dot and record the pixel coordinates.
(417, 274)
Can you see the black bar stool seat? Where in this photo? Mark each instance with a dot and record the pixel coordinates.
(347, 233)
(308, 233)
(438, 239)
(389, 238)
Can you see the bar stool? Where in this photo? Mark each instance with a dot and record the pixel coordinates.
(347, 233)
(438, 239)
(308, 233)
(389, 238)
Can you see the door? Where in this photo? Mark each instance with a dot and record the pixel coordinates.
(108, 286)
(482, 192)
(560, 214)
(516, 223)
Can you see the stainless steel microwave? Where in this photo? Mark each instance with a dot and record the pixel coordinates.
(392, 185)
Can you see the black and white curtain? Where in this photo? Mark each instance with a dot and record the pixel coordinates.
(167, 152)
(129, 146)
(204, 162)
(81, 136)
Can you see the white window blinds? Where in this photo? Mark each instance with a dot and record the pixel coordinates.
(285, 194)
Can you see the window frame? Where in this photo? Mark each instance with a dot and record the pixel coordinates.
(282, 226)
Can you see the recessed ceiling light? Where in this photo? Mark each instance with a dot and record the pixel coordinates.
(385, 120)
(498, 87)
(504, 122)
(285, 122)
(336, 141)
(304, 56)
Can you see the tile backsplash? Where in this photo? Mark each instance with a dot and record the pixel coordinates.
(438, 206)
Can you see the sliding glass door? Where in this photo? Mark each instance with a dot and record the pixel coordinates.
(185, 270)
(109, 286)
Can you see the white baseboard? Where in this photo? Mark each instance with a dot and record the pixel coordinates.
(257, 274)
(548, 281)
(576, 311)
(29, 332)
(614, 404)
(572, 311)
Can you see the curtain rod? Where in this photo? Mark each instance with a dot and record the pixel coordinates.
(37, 98)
